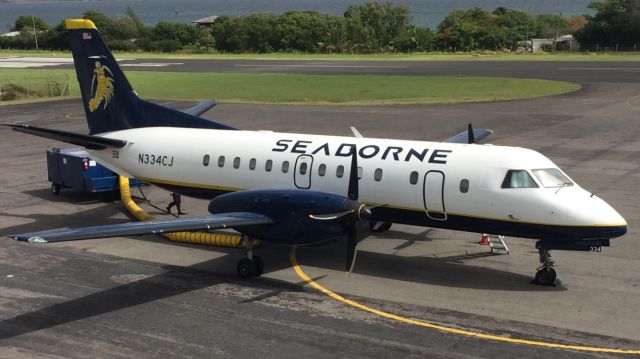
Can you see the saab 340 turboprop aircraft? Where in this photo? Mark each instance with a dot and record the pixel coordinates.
(297, 189)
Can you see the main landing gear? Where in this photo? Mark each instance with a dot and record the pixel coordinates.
(251, 265)
(545, 275)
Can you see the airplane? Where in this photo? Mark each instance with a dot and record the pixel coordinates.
(298, 189)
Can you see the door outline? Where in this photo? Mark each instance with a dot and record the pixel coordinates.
(437, 214)
(303, 181)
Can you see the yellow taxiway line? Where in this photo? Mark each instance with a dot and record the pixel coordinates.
(420, 323)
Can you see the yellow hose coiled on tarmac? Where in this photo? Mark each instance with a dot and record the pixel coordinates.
(210, 239)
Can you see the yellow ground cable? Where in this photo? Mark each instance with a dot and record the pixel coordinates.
(210, 239)
(420, 323)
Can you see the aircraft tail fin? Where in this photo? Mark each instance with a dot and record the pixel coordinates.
(110, 102)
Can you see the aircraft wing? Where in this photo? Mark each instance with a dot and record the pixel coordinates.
(225, 220)
(201, 108)
(87, 141)
(463, 137)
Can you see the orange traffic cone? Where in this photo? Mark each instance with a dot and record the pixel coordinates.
(484, 239)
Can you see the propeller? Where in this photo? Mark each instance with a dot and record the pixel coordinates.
(362, 212)
(354, 212)
(471, 136)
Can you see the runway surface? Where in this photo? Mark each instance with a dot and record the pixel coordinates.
(578, 71)
(144, 297)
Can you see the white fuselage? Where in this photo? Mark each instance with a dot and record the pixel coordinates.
(448, 185)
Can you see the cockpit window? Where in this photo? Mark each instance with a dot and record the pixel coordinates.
(552, 177)
(518, 179)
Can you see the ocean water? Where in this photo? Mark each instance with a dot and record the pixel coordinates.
(425, 12)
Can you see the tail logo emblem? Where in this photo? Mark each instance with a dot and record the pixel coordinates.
(101, 87)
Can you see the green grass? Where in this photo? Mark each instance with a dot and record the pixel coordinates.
(480, 56)
(324, 89)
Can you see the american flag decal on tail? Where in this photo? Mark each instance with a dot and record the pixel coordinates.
(86, 36)
(115, 154)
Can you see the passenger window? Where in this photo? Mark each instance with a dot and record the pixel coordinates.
(205, 160)
(285, 166)
(377, 175)
(221, 161)
(464, 186)
(322, 169)
(236, 162)
(413, 178)
(518, 179)
(268, 166)
(303, 168)
(252, 164)
(340, 171)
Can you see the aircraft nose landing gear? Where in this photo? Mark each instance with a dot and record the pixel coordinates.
(250, 266)
(545, 275)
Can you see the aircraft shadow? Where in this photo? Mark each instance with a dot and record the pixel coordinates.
(40, 222)
(448, 271)
(175, 281)
(73, 196)
(452, 271)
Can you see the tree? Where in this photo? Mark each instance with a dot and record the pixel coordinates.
(465, 29)
(552, 25)
(376, 25)
(139, 25)
(616, 22)
(230, 33)
(28, 21)
(182, 33)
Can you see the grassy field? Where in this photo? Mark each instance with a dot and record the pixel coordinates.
(487, 56)
(326, 89)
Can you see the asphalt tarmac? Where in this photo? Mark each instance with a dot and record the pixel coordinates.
(145, 297)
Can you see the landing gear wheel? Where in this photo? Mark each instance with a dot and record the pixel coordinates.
(378, 227)
(246, 268)
(545, 276)
(55, 188)
(259, 264)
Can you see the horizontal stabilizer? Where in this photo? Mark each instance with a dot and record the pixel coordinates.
(201, 108)
(463, 137)
(217, 221)
(87, 141)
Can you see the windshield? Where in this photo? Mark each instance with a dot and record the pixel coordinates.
(518, 179)
(552, 177)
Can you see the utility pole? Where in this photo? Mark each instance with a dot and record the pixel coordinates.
(35, 31)
(555, 40)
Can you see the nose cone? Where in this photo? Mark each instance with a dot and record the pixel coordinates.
(607, 219)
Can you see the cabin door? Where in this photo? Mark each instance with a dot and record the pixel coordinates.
(433, 193)
(302, 172)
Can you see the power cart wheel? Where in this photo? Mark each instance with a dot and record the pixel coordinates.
(55, 188)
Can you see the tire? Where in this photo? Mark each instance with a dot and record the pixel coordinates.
(246, 268)
(546, 276)
(55, 189)
(257, 261)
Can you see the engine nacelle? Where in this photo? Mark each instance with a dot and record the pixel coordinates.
(290, 210)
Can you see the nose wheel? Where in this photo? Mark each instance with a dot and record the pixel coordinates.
(545, 275)
(251, 265)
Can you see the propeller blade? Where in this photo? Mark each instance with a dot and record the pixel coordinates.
(352, 241)
(330, 216)
(471, 136)
(352, 192)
